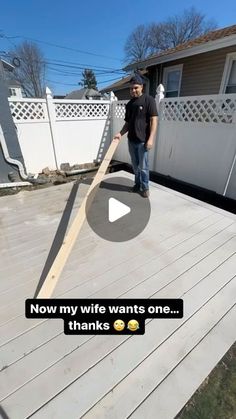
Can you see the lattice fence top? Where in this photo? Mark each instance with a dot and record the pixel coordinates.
(22, 111)
(119, 109)
(215, 109)
(81, 110)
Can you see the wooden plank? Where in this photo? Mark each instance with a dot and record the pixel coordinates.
(19, 325)
(10, 301)
(20, 346)
(66, 247)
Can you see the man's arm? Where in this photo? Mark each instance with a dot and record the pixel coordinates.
(123, 131)
(153, 130)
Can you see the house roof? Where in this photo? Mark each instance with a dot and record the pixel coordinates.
(83, 94)
(120, 84)
(13, 83)
(210, 39)
(7, 65)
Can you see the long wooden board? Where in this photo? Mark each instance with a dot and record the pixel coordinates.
(66, 247)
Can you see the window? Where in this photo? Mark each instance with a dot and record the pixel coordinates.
(172, 80)
(231, 85)
(12, 92)
(228, 84)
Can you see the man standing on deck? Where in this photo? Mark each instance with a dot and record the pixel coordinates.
(141, 126)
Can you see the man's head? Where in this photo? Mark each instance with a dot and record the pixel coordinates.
(136, 85)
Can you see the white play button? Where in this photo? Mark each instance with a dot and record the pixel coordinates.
(116, 210)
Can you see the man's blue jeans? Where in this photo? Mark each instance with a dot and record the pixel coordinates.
(139, 159)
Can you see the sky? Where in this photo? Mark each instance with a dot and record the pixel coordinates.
(90, 34)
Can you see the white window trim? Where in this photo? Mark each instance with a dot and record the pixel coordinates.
(228, 65)
(172, 68)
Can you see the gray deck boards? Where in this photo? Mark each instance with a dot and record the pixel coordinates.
(188, 250)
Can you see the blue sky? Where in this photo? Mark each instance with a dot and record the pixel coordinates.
(96, 27)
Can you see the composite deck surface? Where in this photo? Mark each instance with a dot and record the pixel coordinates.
(188, 250)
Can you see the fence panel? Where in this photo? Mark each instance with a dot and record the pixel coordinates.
(80, 130)
(52, 132)
(31, 120)
(197, 140)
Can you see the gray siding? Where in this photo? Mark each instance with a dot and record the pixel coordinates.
(122, 94)
(10, 134)
(202, 73)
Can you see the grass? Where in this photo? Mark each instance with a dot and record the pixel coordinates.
(216, 397)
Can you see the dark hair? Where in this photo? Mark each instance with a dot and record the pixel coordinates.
(137, 78)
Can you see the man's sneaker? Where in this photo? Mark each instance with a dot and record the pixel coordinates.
(135, 188)
(145, 194)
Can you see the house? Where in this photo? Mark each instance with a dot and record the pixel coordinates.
(14, 86)
(84, 93)
(121, 87)
(203, 66)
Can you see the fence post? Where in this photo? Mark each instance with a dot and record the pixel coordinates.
(52, 120)
(233, 162)
(158, 98)
(113, 100)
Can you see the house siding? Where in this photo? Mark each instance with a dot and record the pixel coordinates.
(202, 73)
(122, 94)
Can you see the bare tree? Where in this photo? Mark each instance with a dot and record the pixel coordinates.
(176, 30)
(31, 71)
(137, 45)
(179, 29)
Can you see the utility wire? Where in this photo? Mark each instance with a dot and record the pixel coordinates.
(60, 46)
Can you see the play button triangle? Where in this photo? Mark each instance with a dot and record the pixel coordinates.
(116, 210)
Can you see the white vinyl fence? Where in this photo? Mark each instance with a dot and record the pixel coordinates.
(52, 132)
(196, 141)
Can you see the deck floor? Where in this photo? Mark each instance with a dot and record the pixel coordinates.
(188, 250)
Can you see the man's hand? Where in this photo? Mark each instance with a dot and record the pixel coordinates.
(149, 144)
(117, 136)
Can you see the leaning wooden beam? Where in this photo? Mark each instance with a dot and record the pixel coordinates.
(67, 245)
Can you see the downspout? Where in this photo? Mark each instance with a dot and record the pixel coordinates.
(28, 180)
(9, 159)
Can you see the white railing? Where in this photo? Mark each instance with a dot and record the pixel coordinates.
(33, 110)
(213, 109)
(72, 109)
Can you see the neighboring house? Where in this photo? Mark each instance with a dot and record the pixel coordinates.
(121, 87)
(13, 85)
(84, 93)
(203, 66)
(59, 97)
(14, 88)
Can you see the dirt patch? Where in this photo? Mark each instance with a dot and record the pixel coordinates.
(49, 178)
